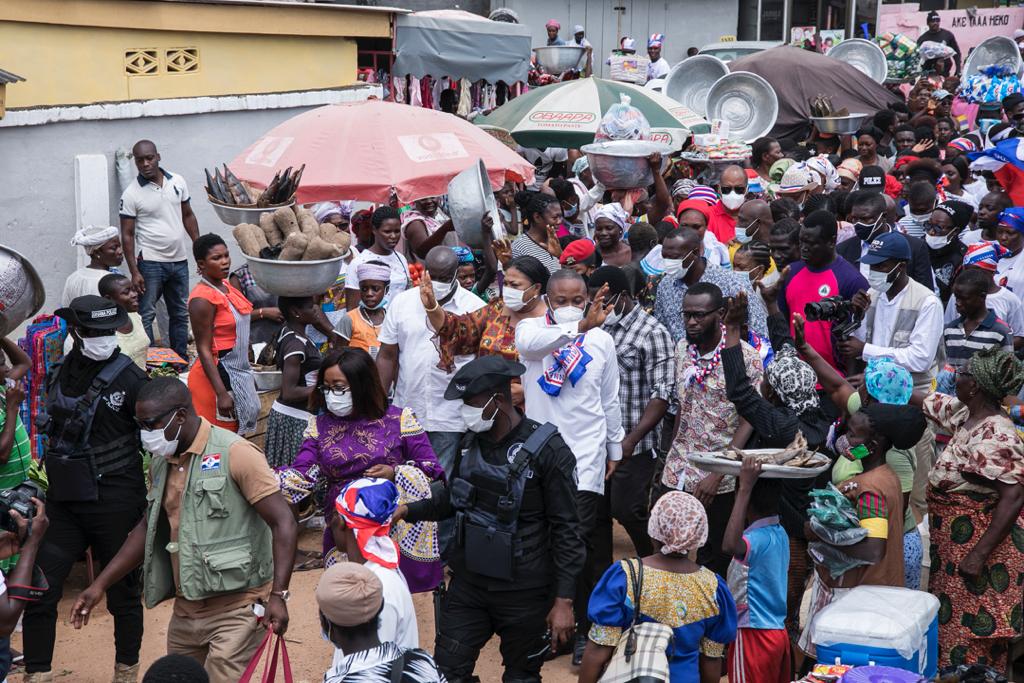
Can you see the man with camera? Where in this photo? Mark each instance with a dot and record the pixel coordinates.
(23, 522)
(97, 491)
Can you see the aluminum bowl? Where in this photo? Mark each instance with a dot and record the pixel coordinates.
(557, 59)
(236, 215)
(747, 102)
(995, 50)
(267, 380)
(470, 198)
(295, 278)
(689, 81)
(622, 164)
(21, 291)
(839, 125)
(864, 56)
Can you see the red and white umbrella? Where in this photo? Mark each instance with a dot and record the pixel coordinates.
(367, 150)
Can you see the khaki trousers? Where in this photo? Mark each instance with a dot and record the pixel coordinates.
(924, 455)
(223, 643)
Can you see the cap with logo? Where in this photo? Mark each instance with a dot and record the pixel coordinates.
(482, 374)
(94, 313)
(889, 245)
(872, 179)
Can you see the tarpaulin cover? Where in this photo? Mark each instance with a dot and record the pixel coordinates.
(459, 44)
(798, 75)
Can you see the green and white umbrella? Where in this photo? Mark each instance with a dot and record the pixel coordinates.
(567, 114)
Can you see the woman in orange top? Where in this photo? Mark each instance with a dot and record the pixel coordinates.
(361, 325)
(221, 382)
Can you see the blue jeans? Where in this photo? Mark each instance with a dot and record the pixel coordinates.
(170, 281)
(446, 447)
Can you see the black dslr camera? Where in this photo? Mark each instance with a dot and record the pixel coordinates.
(19, 499)
(840, 312)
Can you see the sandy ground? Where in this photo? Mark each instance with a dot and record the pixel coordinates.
(87, 656)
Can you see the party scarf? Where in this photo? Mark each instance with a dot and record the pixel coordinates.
(366, 505)
(570, 363)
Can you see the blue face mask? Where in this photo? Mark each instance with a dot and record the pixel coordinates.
(569, 213)
(383, 303)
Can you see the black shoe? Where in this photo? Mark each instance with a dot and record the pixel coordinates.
(578, 648)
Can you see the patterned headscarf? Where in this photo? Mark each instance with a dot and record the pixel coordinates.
(704, 193)
(888, 382)
(379, 272)
(985, 255)
(997, 372)
(679, 522)
(683, 188)
(366, 505)
(793, 380)
(1013, 218)
(656, 40)
(822, 165)
(465, 255)
(580, 165)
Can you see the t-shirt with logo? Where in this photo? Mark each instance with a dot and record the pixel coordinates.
(159, 228)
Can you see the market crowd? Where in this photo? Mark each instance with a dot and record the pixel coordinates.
(472, 421)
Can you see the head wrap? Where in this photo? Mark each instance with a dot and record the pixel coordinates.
(822, 165)
(92, 236)
(997, 372)
(577, 29)
(754, 184)
(683, 188)
(366, 505)
(349, 594)
(888, 382)
(373, 271)
(704, 193)
(656, 40)
(679, 521)
(696, 205)
(1013, 218)
(850, 169)
(580, 165)
(465, 255)
(553, 24)
(893, 187)
(613, 212)
(985, 255)
(576, 251)
(779, 168)
(627, 43)
(797, 178)
(325, 210)
(793, 380)
(963, 144)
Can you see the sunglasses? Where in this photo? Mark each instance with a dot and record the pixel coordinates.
(726, 189)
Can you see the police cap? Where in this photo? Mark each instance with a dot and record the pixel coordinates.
(94, 313)
(481, 374)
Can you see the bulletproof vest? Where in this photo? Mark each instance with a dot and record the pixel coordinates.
(73, 465)
(488, 499)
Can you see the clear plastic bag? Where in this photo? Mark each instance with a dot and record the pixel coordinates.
(838, 536)
(833, 558)
(623, 121)
(832, 509)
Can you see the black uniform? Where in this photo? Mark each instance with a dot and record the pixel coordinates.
(547, 552)
(87, 511)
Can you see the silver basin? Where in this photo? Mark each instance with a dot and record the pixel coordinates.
(863, 55)
(689, 81)
(747, 102)
(839, 125)
(995, 50)
(236, 215)
(295, 278)
(21, 291)
(470, 198)
(556, 59)
(622, 164)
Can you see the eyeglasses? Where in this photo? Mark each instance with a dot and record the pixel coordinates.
(697, 315)
(336, 392)
(935, 229)
(154, 423)
(727, 189)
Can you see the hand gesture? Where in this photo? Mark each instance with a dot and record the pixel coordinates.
(276, 617)
(427, 292)
(799, 338)
(922, 146)
(554, 247)
(598, 312)
(502, 251)
(381, 471)
(14, 395)
(770, 293)
(749, 472)
(736, 310)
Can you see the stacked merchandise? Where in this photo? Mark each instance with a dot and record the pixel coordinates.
(990, 84)
(44, 344)
(900, 55)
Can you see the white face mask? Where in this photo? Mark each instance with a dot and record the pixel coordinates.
(443, 289)
(157, 443)
(514, 298)
(474, 417)
(938, 241)
(339, 405)
(743, 235)
(98, 348)
(880, 281)
(567, 314)
(674, 268)
(614, 316)
(733, 201)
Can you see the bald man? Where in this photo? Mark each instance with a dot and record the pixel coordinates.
(753, 224)
(732, 190)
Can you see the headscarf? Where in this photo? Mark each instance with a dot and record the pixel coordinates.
(997, 372)
(627, 43)
(373, 271)
(683, 188)
(822, 165)
(887, 382)
(553, 24)
(697, 205)
(963, 144)
(656, 40)
(366, 505)
(613, 212)
(92, 236)
(703, 193)
(778, 169)
(850, 168)
(464, 253)
(793, 380)
(679, 522)
(325, 210)
(580, 165)
(985, 255)
(1013, 218)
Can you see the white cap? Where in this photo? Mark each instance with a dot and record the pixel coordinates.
(577, 29)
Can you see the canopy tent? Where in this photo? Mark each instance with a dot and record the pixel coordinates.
(460, 44)
(797, 75)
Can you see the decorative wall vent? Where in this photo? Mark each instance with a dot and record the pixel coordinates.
(141, 62)
(182, 60)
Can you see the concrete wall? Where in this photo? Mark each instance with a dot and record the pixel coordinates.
(685, 23)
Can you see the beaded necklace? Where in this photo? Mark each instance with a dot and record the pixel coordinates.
(701, 371)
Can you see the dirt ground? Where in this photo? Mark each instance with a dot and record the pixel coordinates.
(87, 656)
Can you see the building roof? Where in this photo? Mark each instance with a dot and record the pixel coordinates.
(316, 4)
(8, 77)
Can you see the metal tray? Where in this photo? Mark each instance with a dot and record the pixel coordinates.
(690, 80)
(994, 50)
(839, 125)
(863, 55)
(236, 215)
(712, 462)
(21, 291)
(295, 278)
(747, 101)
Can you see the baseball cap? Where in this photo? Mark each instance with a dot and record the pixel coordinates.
(872, 179)
(888, 245)
(94, 312)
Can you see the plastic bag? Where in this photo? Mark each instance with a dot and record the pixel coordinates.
(992, 84)
(831, 508)
(832, 558)
(838, 536)
(623, 121)
(930, 49)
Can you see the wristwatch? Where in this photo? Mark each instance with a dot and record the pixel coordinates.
(285, 595)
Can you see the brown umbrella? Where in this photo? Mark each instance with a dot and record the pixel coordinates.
(797, 75)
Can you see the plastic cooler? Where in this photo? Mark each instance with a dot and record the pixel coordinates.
(886, 626)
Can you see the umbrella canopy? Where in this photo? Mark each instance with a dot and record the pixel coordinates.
(366, 150)
(797, 75)
(567, 114)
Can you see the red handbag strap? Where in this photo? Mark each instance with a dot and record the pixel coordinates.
(286, 665)
(250, 670)
(270, 673)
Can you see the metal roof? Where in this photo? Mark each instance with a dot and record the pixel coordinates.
(8, 77)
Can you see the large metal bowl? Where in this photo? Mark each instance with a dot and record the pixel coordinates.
(995, 50)
(864, 56)
(470, 198)
(839, 125)
(295, 278)
(690, 80)
(747, 102)
(622, 164)
(236, 215)
(21, 291)
(557, 59)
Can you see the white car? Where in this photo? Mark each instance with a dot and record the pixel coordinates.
(736, 49)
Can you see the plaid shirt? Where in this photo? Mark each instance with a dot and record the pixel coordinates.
(646, 368)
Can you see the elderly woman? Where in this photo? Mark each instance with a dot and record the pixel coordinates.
(670, 580)
(102, 243)
(975, 495)
(608, 230)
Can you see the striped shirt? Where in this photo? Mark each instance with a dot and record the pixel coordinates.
(15, 471)
(960, 346)
(524, 245)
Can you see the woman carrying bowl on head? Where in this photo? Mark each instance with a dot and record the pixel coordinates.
(387, 232)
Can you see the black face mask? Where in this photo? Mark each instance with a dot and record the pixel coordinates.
(865, 230)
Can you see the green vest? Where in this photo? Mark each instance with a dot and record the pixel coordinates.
(223, 545)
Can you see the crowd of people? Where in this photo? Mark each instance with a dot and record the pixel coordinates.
(473, 422)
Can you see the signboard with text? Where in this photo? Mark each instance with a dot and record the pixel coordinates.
(969, 26)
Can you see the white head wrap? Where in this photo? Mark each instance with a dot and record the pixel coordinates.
(92, 236)
(613, 212)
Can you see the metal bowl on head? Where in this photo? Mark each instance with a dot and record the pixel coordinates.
(747, 102)
(689, 81)
(995, 50)
(864, 56)
(622, 164)
(557, 59)
(236, 215)
(295, 278)
(470, 198)
(21, 291)
(839, 125)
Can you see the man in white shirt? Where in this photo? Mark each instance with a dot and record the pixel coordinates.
(572, 381)
(659, 66)
(547, 163)
(157, 226)
(902, 321)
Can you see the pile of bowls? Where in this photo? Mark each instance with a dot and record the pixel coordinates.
(622, 164)
(863, 55)
(295, 278)
(839, 125)
(21, 291)
(747, 101)
(236, 215)
(557, 59)
(690, 80)
(470, 198)
(995, 50)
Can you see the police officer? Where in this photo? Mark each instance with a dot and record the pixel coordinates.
(97, 489)
(517, 551)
